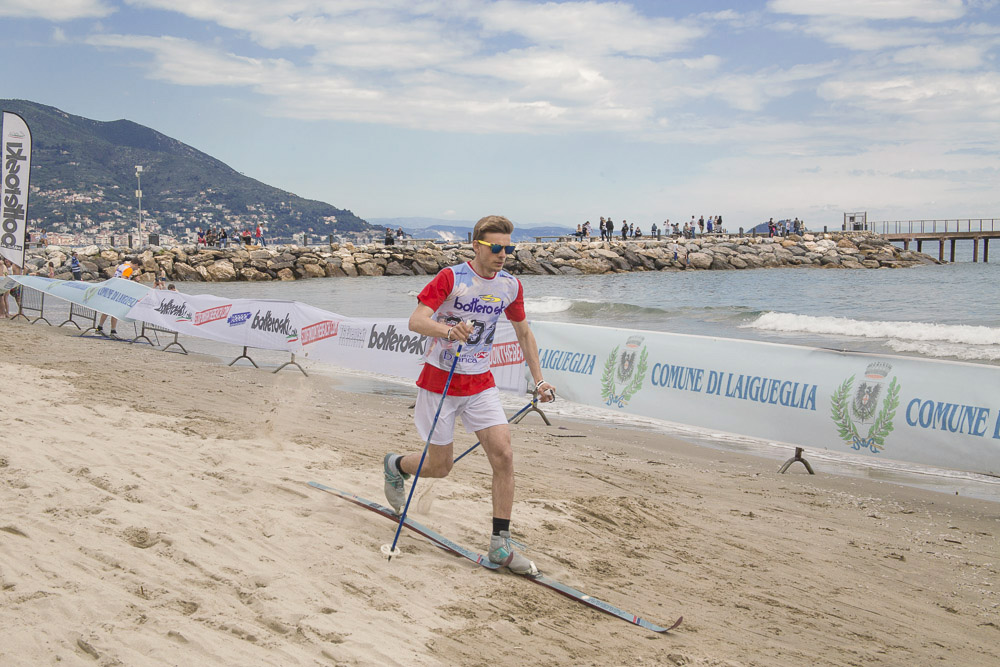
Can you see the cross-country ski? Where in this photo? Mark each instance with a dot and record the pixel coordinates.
(457, 549)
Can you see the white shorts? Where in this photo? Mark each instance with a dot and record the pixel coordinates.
(478, 411)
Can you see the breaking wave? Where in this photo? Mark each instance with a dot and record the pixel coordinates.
(954, 341)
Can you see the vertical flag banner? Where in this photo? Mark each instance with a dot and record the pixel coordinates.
(14, 194)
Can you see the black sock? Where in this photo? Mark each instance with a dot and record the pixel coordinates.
(500, 524)
(399, 465)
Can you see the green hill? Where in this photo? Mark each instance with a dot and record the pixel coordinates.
(83, 183)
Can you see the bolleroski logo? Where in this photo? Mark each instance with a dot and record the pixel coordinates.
(864, 409)
(390, 341)
(475, 306)
(212, 314)
(13, 202)
(174, 309)
(268, 323)
(319, 331)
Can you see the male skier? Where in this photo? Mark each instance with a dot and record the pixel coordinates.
(460, 307)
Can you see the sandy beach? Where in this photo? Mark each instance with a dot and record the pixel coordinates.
(154, 510)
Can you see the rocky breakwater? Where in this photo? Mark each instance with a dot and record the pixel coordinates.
(829, 251)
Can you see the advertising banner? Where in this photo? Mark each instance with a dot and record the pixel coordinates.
(259, 323)
(388, 346)
(378, 345)
(938, 413)
(113, 296)
(16, 149)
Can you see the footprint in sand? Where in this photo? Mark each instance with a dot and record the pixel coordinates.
(140, 537)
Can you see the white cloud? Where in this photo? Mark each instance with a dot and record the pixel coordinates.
(55, 10)
(930, 11)
(940, 56)
(944, 97)
(863, 37)
(905, 97)
(589, 27)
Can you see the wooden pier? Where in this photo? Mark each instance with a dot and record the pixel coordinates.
(941, 231)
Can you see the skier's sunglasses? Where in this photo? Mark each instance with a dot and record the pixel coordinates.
(495, 248)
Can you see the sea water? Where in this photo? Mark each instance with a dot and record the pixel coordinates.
(947, 311)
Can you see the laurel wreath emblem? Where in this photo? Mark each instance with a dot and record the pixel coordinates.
(880, 428)
(608, 390)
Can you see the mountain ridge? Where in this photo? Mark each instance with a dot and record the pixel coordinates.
(83, 182)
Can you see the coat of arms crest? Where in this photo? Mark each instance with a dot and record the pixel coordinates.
(622, 368)
(864, 408)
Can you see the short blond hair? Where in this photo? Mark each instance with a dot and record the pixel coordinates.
(492, 224)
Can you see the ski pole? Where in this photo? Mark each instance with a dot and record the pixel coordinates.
(513, 417)
(391, 551)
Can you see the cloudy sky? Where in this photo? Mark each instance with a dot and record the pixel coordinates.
(549, 112)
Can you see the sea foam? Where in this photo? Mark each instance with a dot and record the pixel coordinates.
(900, 332)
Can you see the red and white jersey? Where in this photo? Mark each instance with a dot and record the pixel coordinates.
(457, 294)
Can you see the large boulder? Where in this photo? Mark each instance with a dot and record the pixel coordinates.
(370, 269)
(184, 271)
(395, 268)
(565, 252)
(286, 275)
(313, 270)
(700, 260)
(253, 275)
(529, 262)
(592, 265)
(428, 262)
(221, 271)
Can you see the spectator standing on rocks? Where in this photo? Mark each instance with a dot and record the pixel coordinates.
(74, 266)
(653, 230)
(624, 230)
(390, 238)
(609, 227)
(259, 234)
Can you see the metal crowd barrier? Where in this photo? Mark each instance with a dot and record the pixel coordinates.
(148, 328)
(87, 315)
(290, 362)
(31, 300)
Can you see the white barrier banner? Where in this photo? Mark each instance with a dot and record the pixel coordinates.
(263, 324)
(937, 413)
(388, 346)
(378, 345)
(113, 296)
